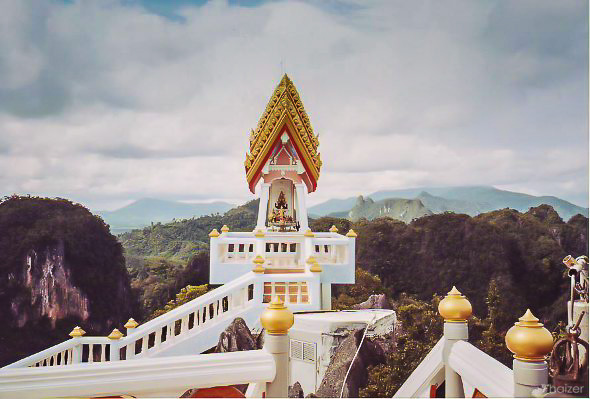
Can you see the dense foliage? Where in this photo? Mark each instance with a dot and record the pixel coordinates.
(92, 256)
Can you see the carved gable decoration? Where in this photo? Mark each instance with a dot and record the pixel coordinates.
(284, 114)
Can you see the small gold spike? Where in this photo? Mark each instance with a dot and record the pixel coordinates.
(308, 233)
(77, 332)
(224, 229)
(259, 233)
(528, 340)
(351, 233)
(455, 308)
(258, 262)
(214, 233)
(333, 229)
(131, 323)
(115, 334)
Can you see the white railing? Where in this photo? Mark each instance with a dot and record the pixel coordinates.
(209, 313)
(154, 377)
(232, 254)
(481, 371)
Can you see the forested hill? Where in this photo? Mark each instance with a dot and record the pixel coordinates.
(181, 239)
(521, 252)
(59, 267)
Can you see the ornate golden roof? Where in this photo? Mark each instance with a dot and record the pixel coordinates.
(284, 109)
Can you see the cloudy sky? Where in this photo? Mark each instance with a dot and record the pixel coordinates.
(104, 102)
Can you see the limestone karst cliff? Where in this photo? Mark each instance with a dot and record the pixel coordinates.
(59, 267)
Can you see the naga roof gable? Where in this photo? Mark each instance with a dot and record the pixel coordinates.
(284, 113)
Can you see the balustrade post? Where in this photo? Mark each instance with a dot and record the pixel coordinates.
(131, 325)
(277, 320)
(114, 347)
(455, 309)
(76, 335)
(530, 342)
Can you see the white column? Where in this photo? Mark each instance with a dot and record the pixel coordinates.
(301, 189)
(262, 207)
(453, 332)
(326, 296)
(278, 346)
(528, 376)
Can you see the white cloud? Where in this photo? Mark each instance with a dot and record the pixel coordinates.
(103, 102)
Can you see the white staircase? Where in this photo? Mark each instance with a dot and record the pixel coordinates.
(189, 329)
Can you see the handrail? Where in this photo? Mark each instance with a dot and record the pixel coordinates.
(481, 371)
(143, 331)
(162, 377)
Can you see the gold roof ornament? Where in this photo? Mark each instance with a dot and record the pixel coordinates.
(224, 229)
(277, 319)
(455, 307)
(528, 340)
(131, 323)
(315, 266)
(351, 233)
(258, 262)
(77, 332)
(308, 233)
(214, 233)
(284, 112)
(115, 334)
(333, 229)
(259, 233)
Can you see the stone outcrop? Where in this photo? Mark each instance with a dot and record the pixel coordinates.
(375, 301)
(295, 390)
(53, 294)
(236, 337)
(369, 354)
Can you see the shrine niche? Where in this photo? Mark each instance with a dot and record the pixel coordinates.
(281, 206)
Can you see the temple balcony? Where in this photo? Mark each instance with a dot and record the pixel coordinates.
(233, 254)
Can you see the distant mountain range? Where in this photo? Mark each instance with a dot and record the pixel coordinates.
(143, 212)
(470, 200)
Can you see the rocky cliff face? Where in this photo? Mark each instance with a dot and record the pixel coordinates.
(53, 294)
(405, 210)
(59, 267)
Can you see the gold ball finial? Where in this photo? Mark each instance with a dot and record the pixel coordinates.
(333, 229)
(258, 262)
(131, 323)
(308, 233)
(528, 340)
(77, 332)
(214, 233)
(224, 229)
(351, 233)
(455, 308)
(277, 319)
(115, 334)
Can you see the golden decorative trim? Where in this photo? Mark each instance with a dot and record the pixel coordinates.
(284, 108)
(455, 308)
(528, 340)
(308, 233)
(115, 334)
(333, 229)
(131, 323)
(258, 262)
(214, 233)
(259, 233)
(351, 233)
(77, 332)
